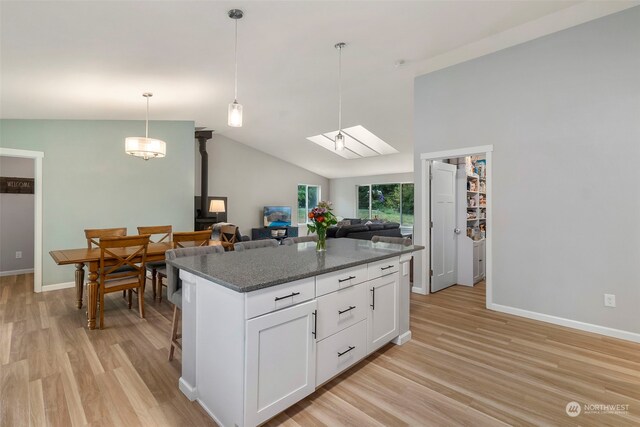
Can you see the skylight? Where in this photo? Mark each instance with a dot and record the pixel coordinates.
(359, 143)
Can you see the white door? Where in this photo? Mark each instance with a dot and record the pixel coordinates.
(382, 322)
(443, 216)
(281, 361)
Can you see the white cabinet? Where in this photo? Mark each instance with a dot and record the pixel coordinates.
(382, 321)
(478, 260)
(340, 351)
(383, 267)
(341, 279)
(280, 361)
(249, 356)
(482, 245)
(341, 309)
(475, 265)
(277, 297)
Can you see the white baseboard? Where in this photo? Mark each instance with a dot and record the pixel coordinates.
(402, 338)
(417, 290)
(57, 286)
(588, 327)
(16, 272)
(187, 389)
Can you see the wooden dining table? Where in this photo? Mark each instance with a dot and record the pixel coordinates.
(82, 257)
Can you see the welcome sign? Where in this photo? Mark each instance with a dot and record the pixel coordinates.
(16, 185)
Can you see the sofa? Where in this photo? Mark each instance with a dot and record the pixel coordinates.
(363, 229)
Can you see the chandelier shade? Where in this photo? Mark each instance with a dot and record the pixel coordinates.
(142, 146)
(147, 148)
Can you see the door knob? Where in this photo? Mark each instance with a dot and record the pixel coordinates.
(456, 230)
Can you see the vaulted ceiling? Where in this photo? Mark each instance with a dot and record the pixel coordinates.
(93, 60)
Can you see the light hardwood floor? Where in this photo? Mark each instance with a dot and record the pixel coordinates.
(465, 366)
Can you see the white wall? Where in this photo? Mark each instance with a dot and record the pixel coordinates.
(565, 233)
(16, 218)
(251, 180)
(343, 190)
(90, 182)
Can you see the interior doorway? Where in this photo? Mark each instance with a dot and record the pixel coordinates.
(456, 219)
(37, 157)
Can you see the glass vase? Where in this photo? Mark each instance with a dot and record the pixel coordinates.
(321, 245)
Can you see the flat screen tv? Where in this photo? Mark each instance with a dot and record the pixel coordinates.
(277, 216)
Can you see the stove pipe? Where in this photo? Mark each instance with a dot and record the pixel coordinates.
(203, 136)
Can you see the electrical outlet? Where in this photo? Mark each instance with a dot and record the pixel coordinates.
(18, 254)
(609, 300)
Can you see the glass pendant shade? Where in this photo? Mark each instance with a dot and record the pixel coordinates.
(339, 141)
(235, 115)
(147, 148)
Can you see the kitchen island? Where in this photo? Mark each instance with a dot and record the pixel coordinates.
(262, 329)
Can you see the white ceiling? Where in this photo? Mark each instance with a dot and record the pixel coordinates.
(93, 60)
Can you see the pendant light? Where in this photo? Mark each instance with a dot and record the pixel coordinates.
(234, 118)
(145, 147)
(339, 141)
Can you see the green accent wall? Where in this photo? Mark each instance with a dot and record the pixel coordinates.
(90, 182)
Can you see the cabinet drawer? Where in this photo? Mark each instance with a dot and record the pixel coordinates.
(341, 309)
(341, 279)
(382, 268)
(339, 351)
(276, 297)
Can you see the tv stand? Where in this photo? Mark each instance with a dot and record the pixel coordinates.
(265, 233)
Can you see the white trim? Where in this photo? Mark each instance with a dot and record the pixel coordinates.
(403, 338)
(58, 286)
(12, 152)
(16, 272)
(425, 254)
(488, 259)
(37, 239)
(561, 321)
(418, 289)
(548, 24)
(425, 165)
(457, 152)
(187, 389)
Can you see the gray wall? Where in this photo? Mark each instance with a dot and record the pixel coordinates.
(565, 233)
(252, 179)
(343, 190)
(89, 181)
(16, 218)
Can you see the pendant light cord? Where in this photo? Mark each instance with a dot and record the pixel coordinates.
(235, 93)
(339, 89)
(146, 128)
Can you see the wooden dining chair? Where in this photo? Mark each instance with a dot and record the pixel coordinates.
(159, 233)
(183, 239)
(228, 236)
(93, 235)
(125, 251)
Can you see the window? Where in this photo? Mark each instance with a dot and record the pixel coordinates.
(392, 202)
(308, 198)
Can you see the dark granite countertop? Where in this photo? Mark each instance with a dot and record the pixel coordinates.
(261, 268)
